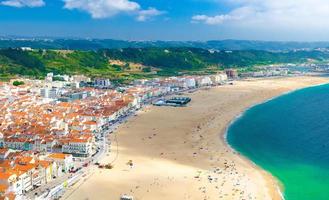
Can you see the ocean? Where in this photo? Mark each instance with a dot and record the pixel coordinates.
(289, 137)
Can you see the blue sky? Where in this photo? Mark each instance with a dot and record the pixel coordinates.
(168, 19)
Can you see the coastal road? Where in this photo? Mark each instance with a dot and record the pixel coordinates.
(44, 188)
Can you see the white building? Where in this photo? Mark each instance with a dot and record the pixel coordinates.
(64, 162)
(52, 93)
(78, 147)
(203, 81)
(49, 77)
(218, 78)
(100, 82)
(190, 82)
(26, 48)
(80, 78)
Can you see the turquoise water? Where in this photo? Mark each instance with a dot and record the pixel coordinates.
(289, 137)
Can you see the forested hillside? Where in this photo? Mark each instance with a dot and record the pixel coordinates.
(167, 61)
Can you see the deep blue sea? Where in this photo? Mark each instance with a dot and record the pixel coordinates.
(289, 137)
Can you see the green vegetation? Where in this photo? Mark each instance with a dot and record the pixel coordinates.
(147, 69)
(14, 62)
(191, 59)
(153, 61)
(18, 83)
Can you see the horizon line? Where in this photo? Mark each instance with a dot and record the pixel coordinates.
(17, 37)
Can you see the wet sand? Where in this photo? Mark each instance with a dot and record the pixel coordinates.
(181, 153)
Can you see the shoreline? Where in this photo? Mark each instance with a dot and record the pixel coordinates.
(189, 141)
(279, 190)
(280, 186)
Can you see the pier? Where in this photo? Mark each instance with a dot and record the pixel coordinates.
(174, 101)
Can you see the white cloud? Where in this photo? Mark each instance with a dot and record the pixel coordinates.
(23, 3)
(144, 15)
(272, 14)
(99, 9)
(102, 8)
(211, 20)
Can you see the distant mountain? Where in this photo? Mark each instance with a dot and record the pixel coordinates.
(96, 44)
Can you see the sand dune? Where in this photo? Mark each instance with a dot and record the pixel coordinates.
(180, 153)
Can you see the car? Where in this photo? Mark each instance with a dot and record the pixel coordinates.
(36, 186)
(126, 197)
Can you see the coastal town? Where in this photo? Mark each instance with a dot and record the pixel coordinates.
(52, 129)
(164, 100)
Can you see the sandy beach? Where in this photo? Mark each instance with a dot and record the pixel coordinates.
(181, 153)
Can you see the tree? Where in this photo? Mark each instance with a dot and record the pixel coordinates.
(147, 69)
(18, 83)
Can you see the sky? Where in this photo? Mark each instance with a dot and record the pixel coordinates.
(271, 20)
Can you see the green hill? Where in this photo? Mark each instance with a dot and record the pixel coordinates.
(166, 61)
(190, 59)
